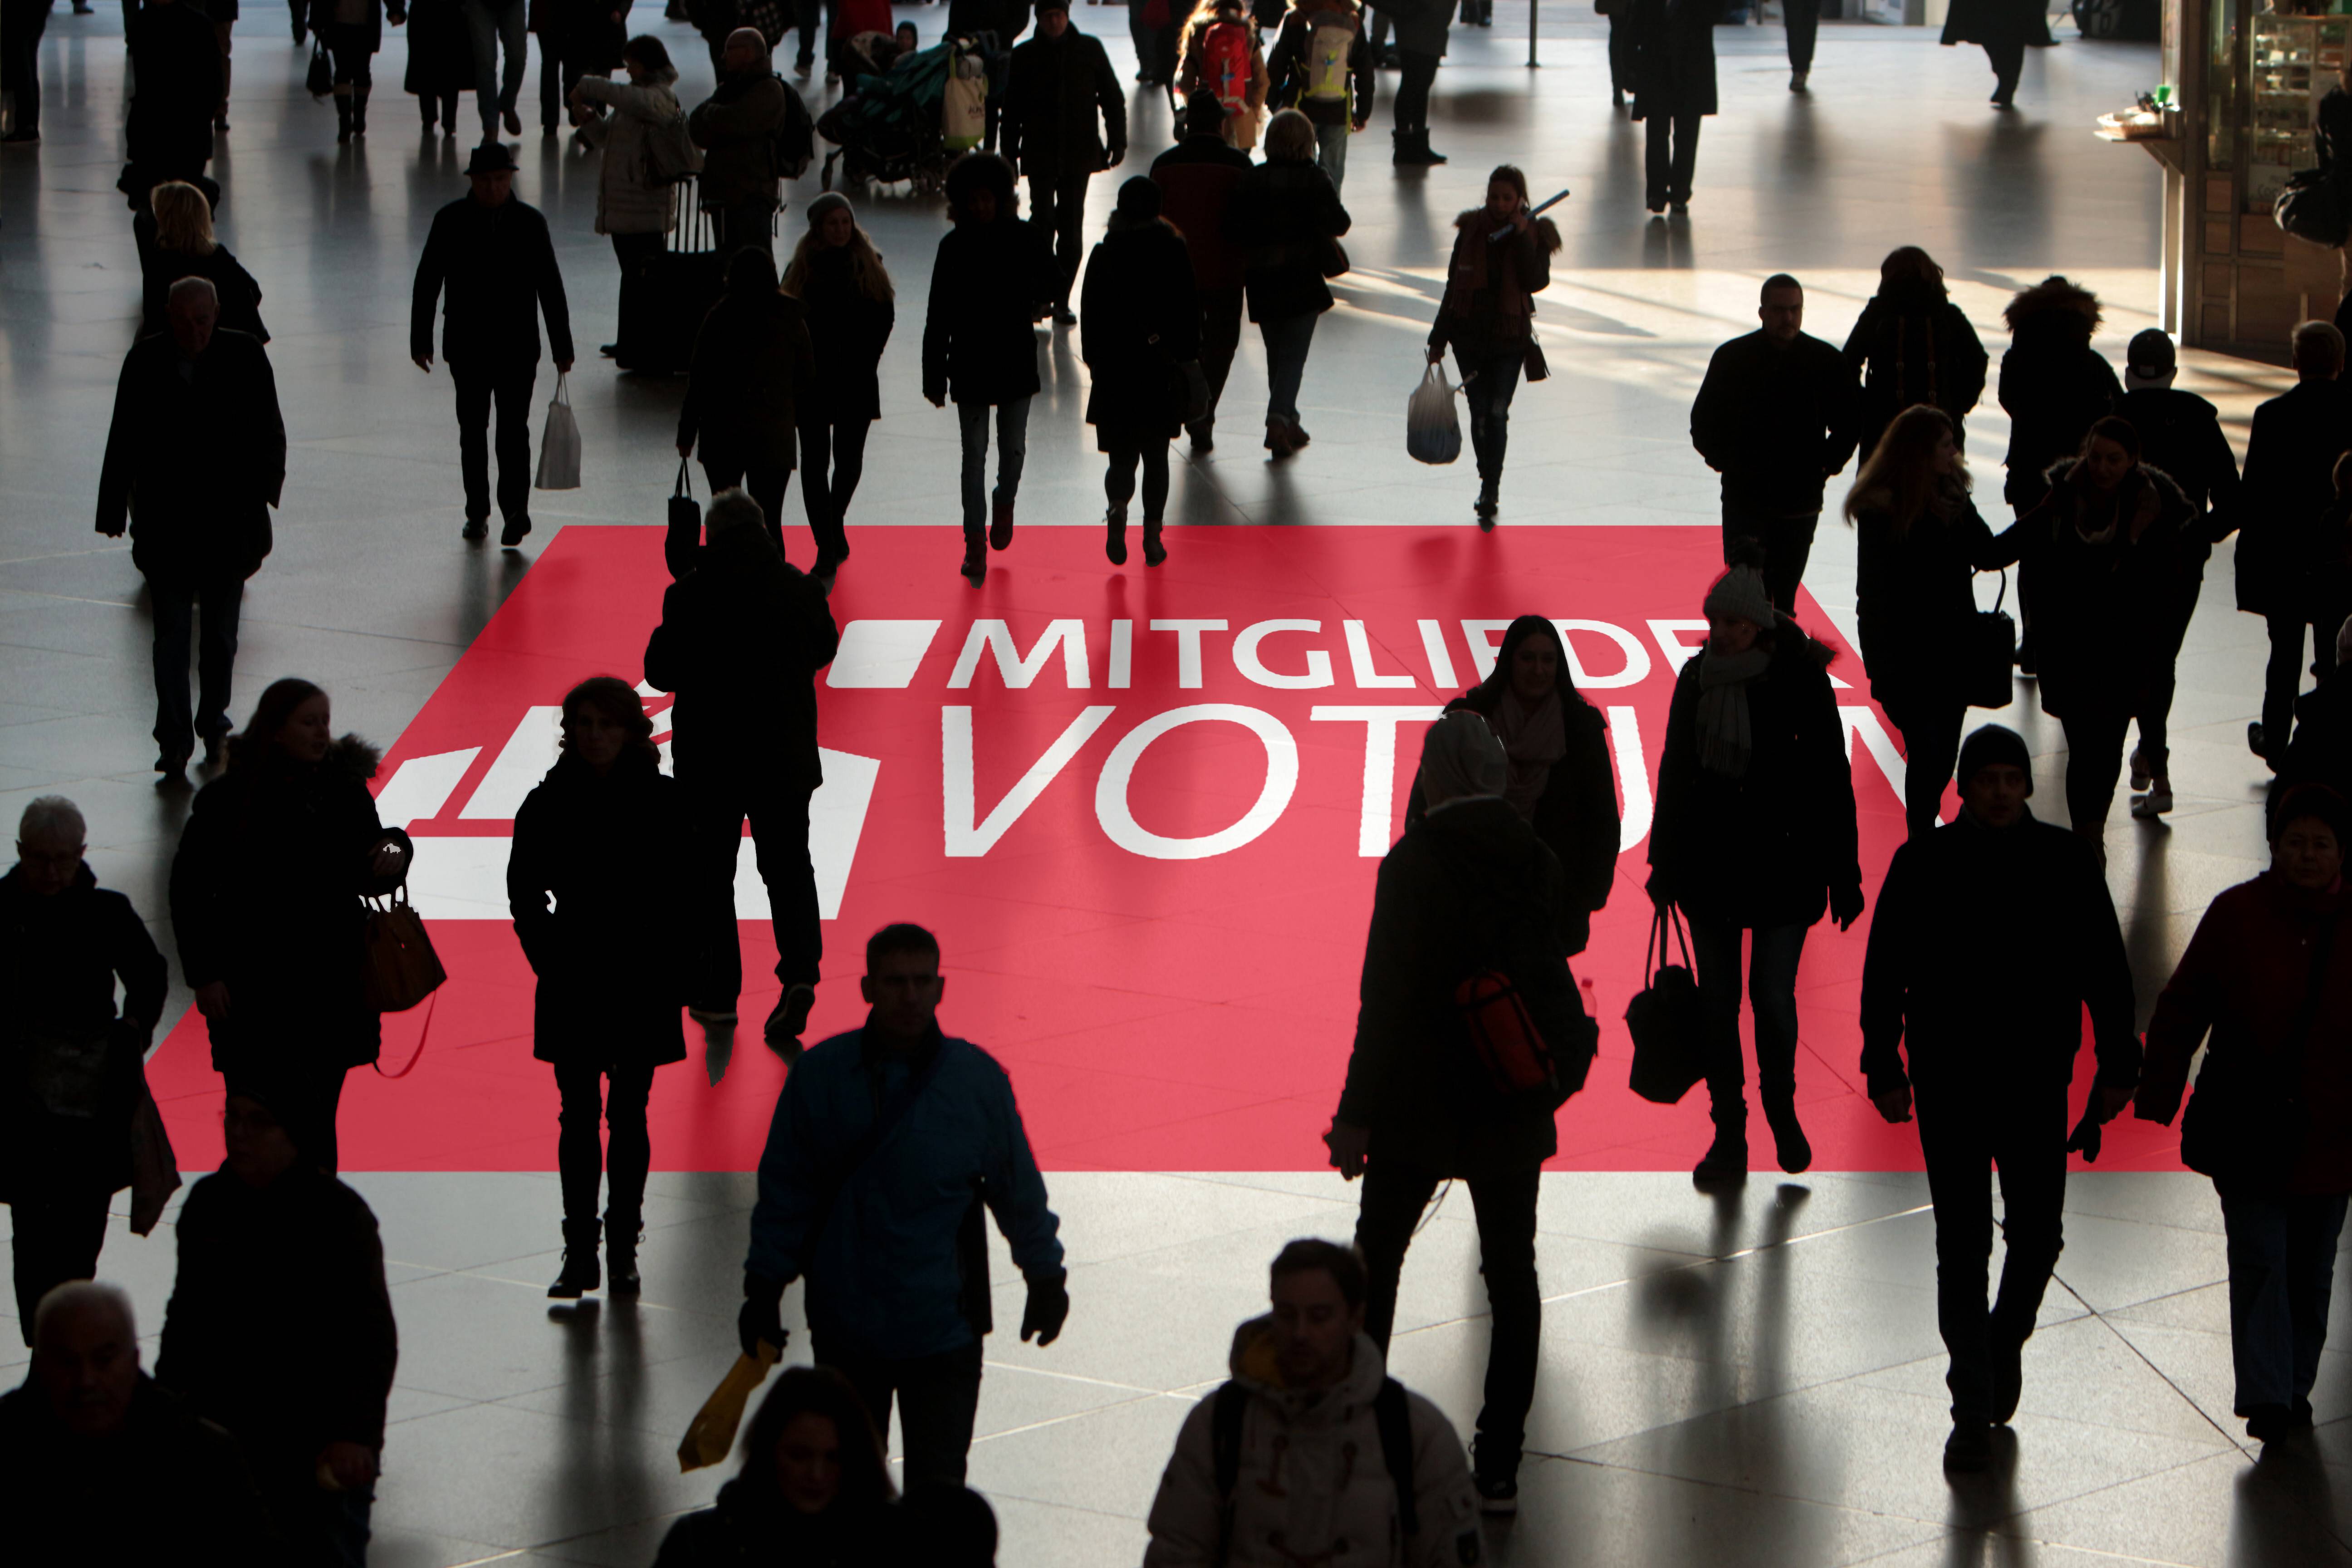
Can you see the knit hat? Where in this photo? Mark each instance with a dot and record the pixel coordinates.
(1138, 200)
(1738, 595)
(1460, 759)
(1995, 745)
(730, 510)
(832, 201)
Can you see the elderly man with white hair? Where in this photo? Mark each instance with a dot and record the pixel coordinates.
(70, 1069)
(195, 460)
(101, 1465)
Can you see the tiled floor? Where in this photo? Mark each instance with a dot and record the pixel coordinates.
(1742, 1380)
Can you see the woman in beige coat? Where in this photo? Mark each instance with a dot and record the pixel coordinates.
(632, 205)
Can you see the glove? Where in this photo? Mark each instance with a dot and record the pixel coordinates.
(1117, 155)
(2086, 1133)
(1048, 1308)
(1845, 905)
(762, 1315)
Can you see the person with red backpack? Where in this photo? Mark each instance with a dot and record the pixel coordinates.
(1221, 56)
(1322, 66)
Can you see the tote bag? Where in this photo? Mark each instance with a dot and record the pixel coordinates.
(684, 541)
(1991, 655)
(1669, 1053)
(559, 444)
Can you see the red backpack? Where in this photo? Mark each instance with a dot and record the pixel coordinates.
(1225, 54)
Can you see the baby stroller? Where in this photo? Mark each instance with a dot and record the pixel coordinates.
(894, 126)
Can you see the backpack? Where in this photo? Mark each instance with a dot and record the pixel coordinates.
(1330, 39)
(1226, 64)
(1391, 1413)
(793, 145)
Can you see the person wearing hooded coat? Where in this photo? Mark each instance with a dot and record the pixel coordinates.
(632, 206)
(266, 903)
(1673, 72)
(600, 835)
(440, 60)
(1754, 831)
(1561, 781)
(787, 1504)
(1470, 887)
(1911, 345)
(2054, 385)
(753, 366)
(2006, 28)
(1501, 261)
(1142, 327)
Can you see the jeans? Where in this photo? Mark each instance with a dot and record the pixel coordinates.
(59, 1236)
(2282, 1272)
(1672, 156)
(2094, 759)
(490, 23)
(635, 253)
(1788, 544)
(1488, 383)
(176, 601)
(510, 387)
(937, 1396)
(1394, 1197)
(1960, 1133)
(2282, 677)
(833, 460)
(22, 22)
(305, 1097)
(1221, 338)
(720, 795)
(1288, 339)
(1119, 478)
(1058, 207)
(1930, 732)
(581, 1157)
(1418, 75)
(764, 482)
(1012, 449)
(1804, 19)
(1772, 998)
(1331, 150)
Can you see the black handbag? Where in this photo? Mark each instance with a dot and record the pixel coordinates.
(1991, 655)
(2246, 1124)
(1669, 1040)
(321, 81)
(2313, 207)
(684, 543)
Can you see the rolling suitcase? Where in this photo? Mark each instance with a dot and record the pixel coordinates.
(681, 283)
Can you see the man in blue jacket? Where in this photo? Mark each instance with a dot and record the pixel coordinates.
(885, 1143)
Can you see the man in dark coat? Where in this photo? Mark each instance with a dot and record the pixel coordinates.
(100, 1465)
(741, 640)
(493, 254)
(1674, 87)
(175, 58)
(1778, 413)
(1064, 117)
(736, 127)
(73, 1068)
(195, 460)
(1196, 179)
(2290, 456)
(1993, 932)
(281, 1329)
(1468, 888)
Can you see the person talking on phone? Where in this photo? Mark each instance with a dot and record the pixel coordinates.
(1502, 260)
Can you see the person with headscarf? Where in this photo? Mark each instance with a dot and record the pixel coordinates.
(1469, 888)
(1143, 326)
(752, 366)
(1754, 831)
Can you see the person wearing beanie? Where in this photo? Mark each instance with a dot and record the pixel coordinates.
(1143, 350)
(751, 370)
(2267, 987)
(849, 307)
(1065, 120)
(1754, 832)
(1993, 932)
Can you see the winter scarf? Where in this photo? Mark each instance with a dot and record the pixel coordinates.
(1533, 740)
(1726, 734)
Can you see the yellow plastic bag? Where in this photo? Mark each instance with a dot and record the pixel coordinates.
(711, 1438)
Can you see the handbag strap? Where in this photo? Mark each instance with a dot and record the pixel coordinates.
(422, 1035)
(684, 486)
(1659, 922)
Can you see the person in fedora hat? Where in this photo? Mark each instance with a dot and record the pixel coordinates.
(492, 254)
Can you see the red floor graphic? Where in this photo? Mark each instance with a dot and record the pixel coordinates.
(1143, 812)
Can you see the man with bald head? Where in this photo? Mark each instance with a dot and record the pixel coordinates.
(100, 1465)
(738, 128)
(195, 459)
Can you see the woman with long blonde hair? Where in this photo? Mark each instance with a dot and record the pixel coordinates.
(844, 291)
(1222, 56)
(175, 240)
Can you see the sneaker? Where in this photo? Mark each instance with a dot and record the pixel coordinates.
(2154, 804)
(476, 528)
(789, 1020)
(512, 533)
(2140, 777)
(1498, 1496)
(1969, 1448)
(1000, 523)
(1796, 81)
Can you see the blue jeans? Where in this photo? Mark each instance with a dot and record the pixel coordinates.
(1288, 339)
(1331, 150)
(489, 22)
(2281, 1269)
(1011, 449)
(1771, 993)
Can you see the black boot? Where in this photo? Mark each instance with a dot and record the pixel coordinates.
(358, 108)
(1790, 1144)
(621, 1232)
(1114, 544)
(579, 1272)
(1727, 1157)
(1487, 505)
(1423, 152)
(342, 115)
(975, 556)
(1154, 552)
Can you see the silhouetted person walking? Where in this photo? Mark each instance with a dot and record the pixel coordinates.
(1501, 261)
(1673, 72)
(738, 128)
(1910, 346)
(1143, 324)
(1064, 118)
(2054, 386)
(849, 306)
(1285, 214)
(1197, 178)
(175, 60)
(1322, 65)
(2006, 28)
(752, 366)
(492, 26)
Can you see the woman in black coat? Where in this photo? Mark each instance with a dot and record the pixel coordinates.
(353, 45)
(2006, 28)
(2054, 385)
(1143, 323)
(1285, 214)
(1673, 89)
(850, 307)
(1920, 545)
(753, 366)
(1911, 345)
(440, 59)
(175, 237)
(1754, 832)
(600, 835)
(278, 854)
(813, 1491)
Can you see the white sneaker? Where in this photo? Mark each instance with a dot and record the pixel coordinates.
(2140, 777)
(2154, 804)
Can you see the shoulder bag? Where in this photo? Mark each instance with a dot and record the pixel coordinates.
(399, 967)
(2246, 1124)
(1991, 655)
(1669, 1044)
(682, 546)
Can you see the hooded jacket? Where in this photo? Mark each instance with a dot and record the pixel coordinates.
(1489, 306)
(1142, 319)
(629, 199)
(1911, 345)
(1312, 1486)
(2054, 386)
(736, 127)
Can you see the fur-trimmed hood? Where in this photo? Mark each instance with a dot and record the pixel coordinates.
(1791, 640)
(2057, 307)
(1546, 232)
(2167, 487)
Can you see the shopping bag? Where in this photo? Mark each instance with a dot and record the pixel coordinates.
(1669, 1048)
(1431, 433)
(399, 967)
(559, 444)
(1991, 655)
(711, 1435)
(321, 81)
(154, 1169)
(684, 543)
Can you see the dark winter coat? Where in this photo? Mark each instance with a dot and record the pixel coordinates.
(2321, 752)
(2099, 608)
(169, 1488)
(2289, 485)
(498, 266)
(1913, 602)
(440, 50)
(195, 462)
(1987, 945)
(2181, 433)
(1674, 56)
(1769, 847)
(1197, 178)
(266, 897)
(1489, 305)
(2244, 980)
(987, 285)
(239, 295)
(1468, 887)
(367, 32)
(2331, 123)
(2054, 385)
(611, 956)
(584, 32)
(1283, 215)
(59, 964)
(736, 127)
(752, 1529)
(847, 332)
(1422, 26)
(177, 61)
(1997, 22)
(1142, 319)
(279, 1326)
(1776, 421)
(1290, 69)
(753, 366)
(1912, 345)
(1064, 112)
(741, 641)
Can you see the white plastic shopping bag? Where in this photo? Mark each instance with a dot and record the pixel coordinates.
(1432, 432)
(559, 444)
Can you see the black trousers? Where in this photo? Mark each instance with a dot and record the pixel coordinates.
(1788, 544)
(937, 1396)
(1488, 384)
(305, 1097)
(720, 795)
(1803, 18)
(2008, 61)
(1221, 338)
(176, 602)
(347, 46)
(58, 1238)
(22, 23)
(1059, 205)
(581, 1156)
(1672, 157)
(557, 78)
(635, 253)
(765, 483)
(1119, 478)
(1622, 51)
(809, 16)
(1395, 1194)
(2094, 759)
(1929, 728)
(1417, 75)
(2283, 677)
(509, 387)
(833, 460)
(2023, 1137)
